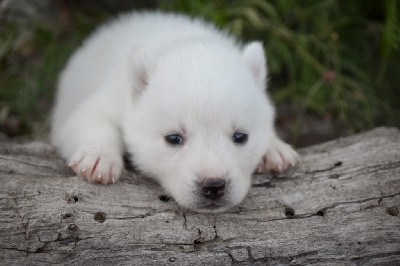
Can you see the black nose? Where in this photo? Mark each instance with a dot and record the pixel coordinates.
(213, 188)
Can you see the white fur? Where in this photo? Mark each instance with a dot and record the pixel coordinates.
(147, 75)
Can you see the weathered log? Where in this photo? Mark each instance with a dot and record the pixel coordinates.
(340, 206)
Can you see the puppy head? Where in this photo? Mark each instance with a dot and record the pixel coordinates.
(200, 121)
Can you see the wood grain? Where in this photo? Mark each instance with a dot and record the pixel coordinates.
(340, 206)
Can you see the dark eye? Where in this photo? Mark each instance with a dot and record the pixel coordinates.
(239, 138)
(174, 139)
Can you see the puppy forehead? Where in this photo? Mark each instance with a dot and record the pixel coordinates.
(205, 94)
(203, 65)
(208, 110)
(212, 96)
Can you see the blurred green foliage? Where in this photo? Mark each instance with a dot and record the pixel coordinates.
(337, 59)
(32, 54)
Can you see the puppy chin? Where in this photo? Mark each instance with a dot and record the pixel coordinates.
(213, 208)
(204, 206)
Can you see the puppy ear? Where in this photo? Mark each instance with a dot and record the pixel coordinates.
(142, 64)
(254, 57)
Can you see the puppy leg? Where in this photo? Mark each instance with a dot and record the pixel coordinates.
(91, 142)
(278, 157)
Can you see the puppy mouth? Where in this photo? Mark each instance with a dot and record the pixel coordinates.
(202, 204)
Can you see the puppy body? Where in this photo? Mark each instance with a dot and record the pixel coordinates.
(146, 76)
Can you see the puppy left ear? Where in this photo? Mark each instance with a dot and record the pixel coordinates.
(254, 57)
(143, 64)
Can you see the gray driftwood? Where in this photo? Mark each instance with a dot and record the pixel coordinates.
(340, 206)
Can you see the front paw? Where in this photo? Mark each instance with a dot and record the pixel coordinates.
(279, 157)
(97, 166)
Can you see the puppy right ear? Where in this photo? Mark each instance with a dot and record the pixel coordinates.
(254, 57)
(143, 64)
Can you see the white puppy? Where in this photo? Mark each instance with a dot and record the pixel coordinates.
(185, 99)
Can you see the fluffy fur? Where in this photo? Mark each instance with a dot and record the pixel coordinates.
(147, 75)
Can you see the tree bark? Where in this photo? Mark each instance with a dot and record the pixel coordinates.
(340, 206)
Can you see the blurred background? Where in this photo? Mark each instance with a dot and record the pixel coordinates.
(334, 65)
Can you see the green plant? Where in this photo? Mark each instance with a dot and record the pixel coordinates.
(336, 59)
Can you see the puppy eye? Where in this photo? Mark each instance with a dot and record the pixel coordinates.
(239, 138)
(174, 139)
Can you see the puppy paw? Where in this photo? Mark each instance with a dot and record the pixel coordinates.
(279, 157)
(97, 166)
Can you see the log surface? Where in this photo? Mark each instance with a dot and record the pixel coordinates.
(340, 206)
